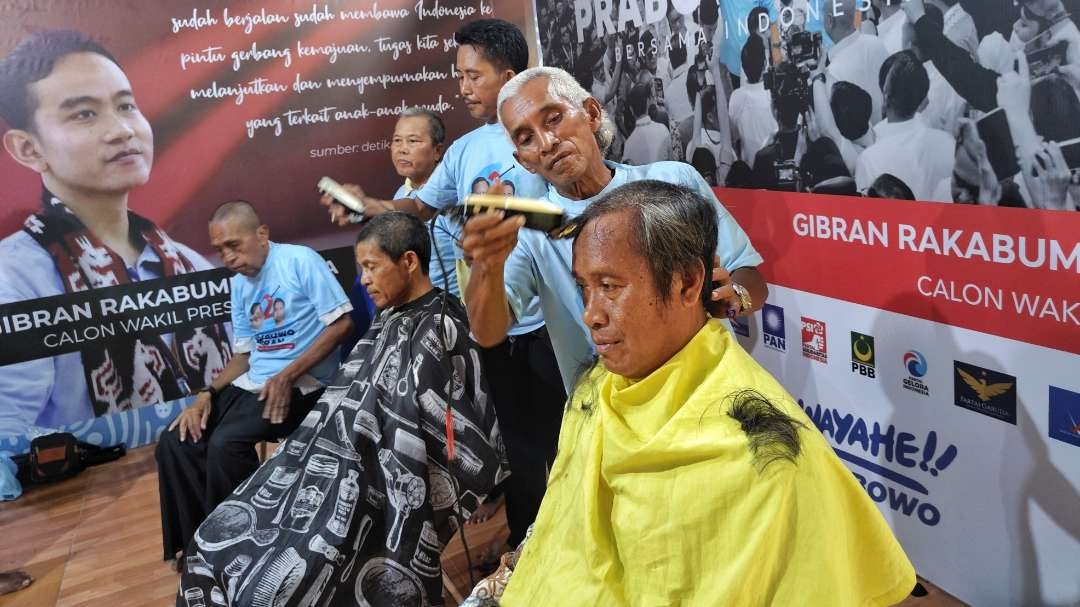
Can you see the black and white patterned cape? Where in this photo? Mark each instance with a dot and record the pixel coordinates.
(355, 507)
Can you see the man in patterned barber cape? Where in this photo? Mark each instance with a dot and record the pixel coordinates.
(356, 506)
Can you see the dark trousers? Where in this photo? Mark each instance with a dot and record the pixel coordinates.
(528, 393)
(193, 478)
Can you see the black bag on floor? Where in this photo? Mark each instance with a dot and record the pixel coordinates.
(60, 455)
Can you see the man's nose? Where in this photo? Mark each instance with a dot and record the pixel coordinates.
(594, 316)
(118, 128)
(548, 141)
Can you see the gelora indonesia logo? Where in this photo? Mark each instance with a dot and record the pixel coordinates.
(862, 354)
(916, 366)
(813, 340)
(772, 320)
(985, 391)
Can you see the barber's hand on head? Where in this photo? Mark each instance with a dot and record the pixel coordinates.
(193, 419)
(914, 9)
(725, 300)
(489, 238)
(339, 214)
(276, 393)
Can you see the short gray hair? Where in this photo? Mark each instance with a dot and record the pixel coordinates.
(436, 128)
(674, 228)
(238, 209)
(562, 85)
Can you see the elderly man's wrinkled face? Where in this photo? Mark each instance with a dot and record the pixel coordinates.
(412, 149)
(624, 312)
(386, 280)
(243, 247)
(551, 136)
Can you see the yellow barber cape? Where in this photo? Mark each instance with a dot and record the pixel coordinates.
(654, 499)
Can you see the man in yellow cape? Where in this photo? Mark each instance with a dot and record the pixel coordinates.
(686, 475)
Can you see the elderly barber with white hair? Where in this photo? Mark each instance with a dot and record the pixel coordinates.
(560, 132)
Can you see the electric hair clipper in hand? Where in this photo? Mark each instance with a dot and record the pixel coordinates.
(539, 214)
(340, 194)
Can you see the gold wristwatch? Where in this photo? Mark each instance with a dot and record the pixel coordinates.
(745, 302)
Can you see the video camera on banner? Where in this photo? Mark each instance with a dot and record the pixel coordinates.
(789, 83)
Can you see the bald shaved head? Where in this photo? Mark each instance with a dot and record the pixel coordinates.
(239, 237)
(240, 210)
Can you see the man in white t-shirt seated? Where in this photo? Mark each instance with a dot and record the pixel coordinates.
(906, 147)
(273, 380)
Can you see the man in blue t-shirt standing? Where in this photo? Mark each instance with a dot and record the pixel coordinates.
(288, 316)
(563, 137)
(520, 367)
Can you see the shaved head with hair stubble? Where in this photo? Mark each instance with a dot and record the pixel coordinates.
(239, 237)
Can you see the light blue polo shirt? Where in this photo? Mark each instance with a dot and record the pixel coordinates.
(474, 160)
(442, 248)
(541, 267)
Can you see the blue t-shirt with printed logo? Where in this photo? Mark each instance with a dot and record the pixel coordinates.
(279, 313)
(471, 164)
(541, 267)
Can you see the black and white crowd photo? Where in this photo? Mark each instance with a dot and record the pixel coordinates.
(967, 101)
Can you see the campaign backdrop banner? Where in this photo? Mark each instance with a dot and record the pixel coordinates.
(936, 346)
(242, 100)
(1007, 272)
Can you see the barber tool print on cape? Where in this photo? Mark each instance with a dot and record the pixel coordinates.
(357, 504)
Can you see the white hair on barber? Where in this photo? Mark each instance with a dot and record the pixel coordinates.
(561, 85)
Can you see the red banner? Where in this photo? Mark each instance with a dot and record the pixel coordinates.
(1009, 272)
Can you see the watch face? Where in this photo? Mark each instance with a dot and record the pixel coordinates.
(745, 300)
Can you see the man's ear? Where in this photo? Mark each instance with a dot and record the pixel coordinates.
(690, 284)
(412, 261)
(595, 112)
(263, 232)
(507, 74)
(25, 149)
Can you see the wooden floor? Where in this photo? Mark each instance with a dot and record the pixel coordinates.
(96, 540)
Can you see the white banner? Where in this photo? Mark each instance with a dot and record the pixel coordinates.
(986, 509)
